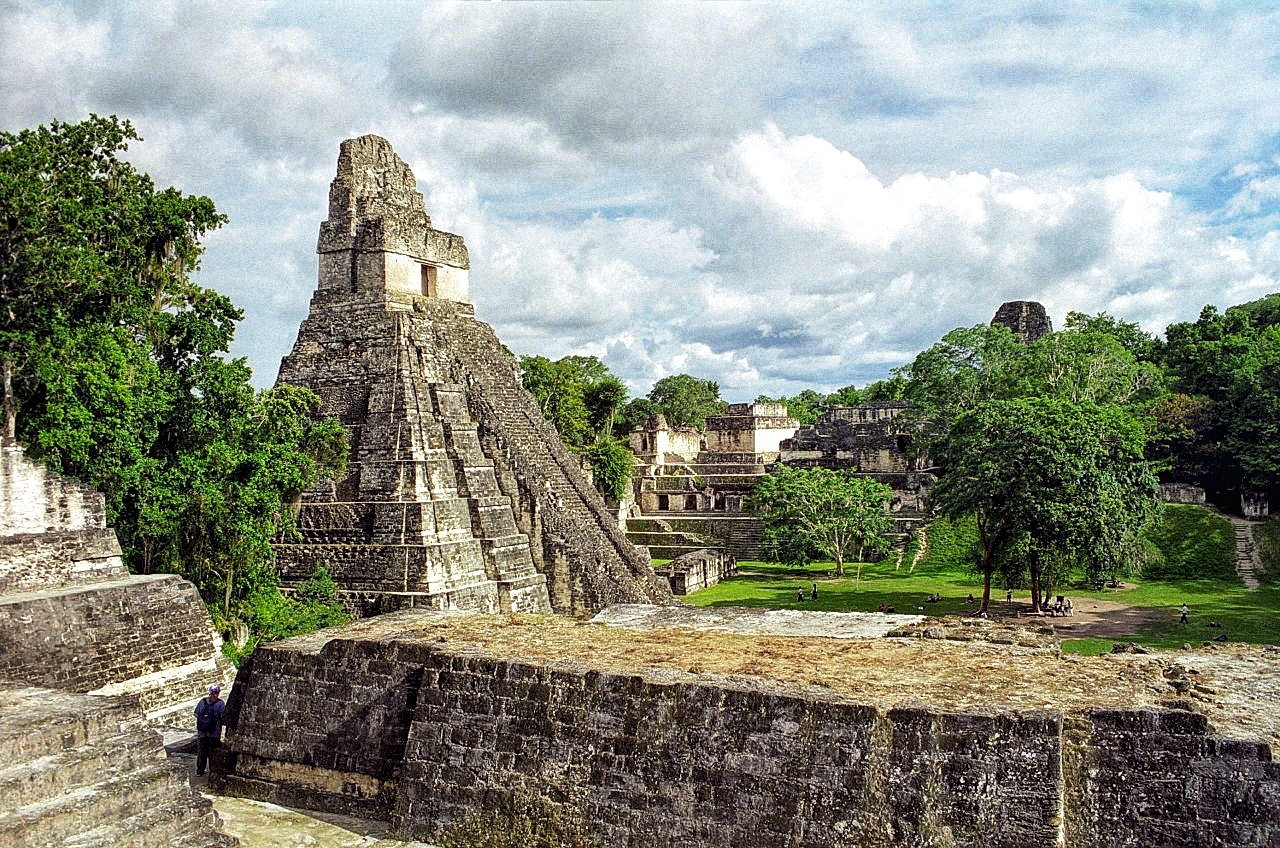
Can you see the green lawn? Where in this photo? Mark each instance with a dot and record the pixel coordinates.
(1213, 596)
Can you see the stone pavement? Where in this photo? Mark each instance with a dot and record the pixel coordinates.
(757, 622)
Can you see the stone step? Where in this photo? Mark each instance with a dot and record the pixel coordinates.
(31, 733)
(188, 820)
(33, 781)
(52, 820)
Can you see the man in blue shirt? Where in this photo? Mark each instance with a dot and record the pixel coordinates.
(208, 726)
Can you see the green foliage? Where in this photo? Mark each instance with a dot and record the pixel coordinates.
(687, 401)
(584, 402)
(1049, 478)
(118, 368)
(634, 414)
(815, 512)
(1192, 542)
(968, 366)
(1142, 345)
(534, 825)
(611, 464)
(1267, 538)
(1232, 361)
(559, 388)
(272, 615)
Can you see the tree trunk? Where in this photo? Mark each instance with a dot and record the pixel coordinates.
(839, 565)
(1034, 567)
(10, 407)
(986, 588)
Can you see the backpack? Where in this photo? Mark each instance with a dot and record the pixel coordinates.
(206, 716)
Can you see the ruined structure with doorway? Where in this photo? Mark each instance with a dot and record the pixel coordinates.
(689, 485)
(459, 495)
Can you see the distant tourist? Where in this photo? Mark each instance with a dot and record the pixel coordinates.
(208, 726)
(814, 593)
(800, 595)
(969, 600)
(1182, 614)
(1008, 596)
(1069, 607)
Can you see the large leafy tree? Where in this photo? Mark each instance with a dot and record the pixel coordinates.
(1048, 479)
(967, 367)
(817, 512)
(114, 364)
(686, 401)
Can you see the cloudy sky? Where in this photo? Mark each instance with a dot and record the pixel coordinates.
(772, 195)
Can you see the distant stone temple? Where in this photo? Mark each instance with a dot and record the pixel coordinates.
(690, 485)
(459, 495)
(98, 668)
(1026, 318)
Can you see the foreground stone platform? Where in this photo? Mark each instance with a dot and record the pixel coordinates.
(675, 736)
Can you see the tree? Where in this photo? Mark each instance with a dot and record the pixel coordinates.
(1054, 477)
(558, 387)
(582, 400)
(115, 359)
(813, 512)
(1231, 362)
(1142, 345)
(687, 401)
(967, 367)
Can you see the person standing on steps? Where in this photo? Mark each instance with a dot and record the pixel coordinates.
(208, 726)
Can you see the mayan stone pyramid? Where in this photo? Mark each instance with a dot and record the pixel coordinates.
(459, 494)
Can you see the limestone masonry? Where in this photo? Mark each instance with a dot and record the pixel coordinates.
(682, 737)
(689, 486)
(128, 656)
(459, 494)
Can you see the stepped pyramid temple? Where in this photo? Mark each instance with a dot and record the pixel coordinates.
(459, 494)
(98, 668)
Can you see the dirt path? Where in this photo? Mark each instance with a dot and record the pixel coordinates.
(1102, 618)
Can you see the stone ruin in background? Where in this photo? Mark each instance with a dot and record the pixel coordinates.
(98, 668)
(689, 485)
(459, 494)
(1026, 318)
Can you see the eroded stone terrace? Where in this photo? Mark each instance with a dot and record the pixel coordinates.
(1235, 686)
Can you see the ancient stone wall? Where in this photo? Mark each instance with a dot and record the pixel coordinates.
(696, 570)
(394, 719)
(1161, 777)
(53, 530)
(72, 617)
(109, 633)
